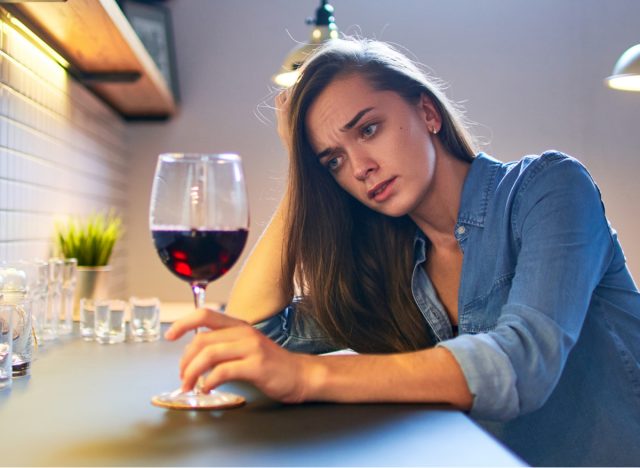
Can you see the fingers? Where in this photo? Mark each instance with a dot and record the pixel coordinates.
(211, 357)
(243, 353)
(200, 318)
(205, 339)
(240, 369)
(282, 98)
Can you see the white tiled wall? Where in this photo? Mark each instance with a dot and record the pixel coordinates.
(62, 153)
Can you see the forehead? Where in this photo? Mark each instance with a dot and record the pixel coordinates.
(337, 104)
(354, 86)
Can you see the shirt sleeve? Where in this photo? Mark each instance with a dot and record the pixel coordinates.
(565, 245)
(296, 332)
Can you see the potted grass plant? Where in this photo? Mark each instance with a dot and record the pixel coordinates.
(90, 241)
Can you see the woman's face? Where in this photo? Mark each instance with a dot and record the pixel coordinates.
(376, 145)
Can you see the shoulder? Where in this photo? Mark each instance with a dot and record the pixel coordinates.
(553, 185)
(550, 172)
(531, 166)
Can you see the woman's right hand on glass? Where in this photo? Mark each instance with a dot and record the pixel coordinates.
(231, 349)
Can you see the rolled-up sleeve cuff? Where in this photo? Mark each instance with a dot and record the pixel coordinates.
(295, 332)
(274, 327)
(489, 374)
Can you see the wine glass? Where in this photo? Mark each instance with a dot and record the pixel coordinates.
(199, 221)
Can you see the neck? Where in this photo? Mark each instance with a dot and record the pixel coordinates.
(436, 215)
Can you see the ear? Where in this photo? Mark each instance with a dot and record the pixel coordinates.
(430, 114)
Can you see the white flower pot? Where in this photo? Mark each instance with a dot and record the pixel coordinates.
(92, 283)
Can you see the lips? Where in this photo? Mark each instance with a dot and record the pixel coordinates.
(378, 189)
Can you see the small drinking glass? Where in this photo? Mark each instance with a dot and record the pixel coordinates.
(14, 291)
(69, 274)
(45, 326)
(109, 321)
(54, 290)
(87, 319)
(6, 339)
(145, 318)
(23, 344)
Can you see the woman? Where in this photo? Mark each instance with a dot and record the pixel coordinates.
(497, 288)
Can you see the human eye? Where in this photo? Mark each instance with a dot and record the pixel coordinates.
(333, 163)
(368, 130)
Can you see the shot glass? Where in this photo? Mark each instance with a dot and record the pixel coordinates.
(109, 321)
(14, 291)
(69, 274)
(23, 344)
(145, 318)
(44, 325)
(88, 318)
(6, 346)
(38, 273)
(54, 304)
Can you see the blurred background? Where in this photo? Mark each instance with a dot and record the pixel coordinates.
(530, 75)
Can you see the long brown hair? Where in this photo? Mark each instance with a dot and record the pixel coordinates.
(354, 265)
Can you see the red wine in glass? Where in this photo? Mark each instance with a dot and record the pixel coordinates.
(199, 255)
(199, 220)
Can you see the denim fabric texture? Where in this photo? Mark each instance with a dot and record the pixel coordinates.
(549, 315)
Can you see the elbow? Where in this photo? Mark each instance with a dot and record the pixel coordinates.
(533, 397)
(517, 398)
(464, 402)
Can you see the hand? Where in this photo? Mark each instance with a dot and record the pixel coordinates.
(282, 117)
(234, 350)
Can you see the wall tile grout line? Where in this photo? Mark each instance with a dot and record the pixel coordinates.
(60, 117)
(65, 191)
(46, 82)
(42, 159)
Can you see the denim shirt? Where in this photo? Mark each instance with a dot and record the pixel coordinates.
(549, 316)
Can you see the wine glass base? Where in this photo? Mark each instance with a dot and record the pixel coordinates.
(214, 400)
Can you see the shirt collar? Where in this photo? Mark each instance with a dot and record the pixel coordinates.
(477, 189)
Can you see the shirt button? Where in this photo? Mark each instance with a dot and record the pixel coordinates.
(461, 230)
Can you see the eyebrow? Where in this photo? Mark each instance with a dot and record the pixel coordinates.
(348, 126)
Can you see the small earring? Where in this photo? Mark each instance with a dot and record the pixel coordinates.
(434, 130)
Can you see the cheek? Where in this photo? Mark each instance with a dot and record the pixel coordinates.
(413, 146)
(345, 183)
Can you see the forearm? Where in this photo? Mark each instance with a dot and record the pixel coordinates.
(259, 291)
(428, 376)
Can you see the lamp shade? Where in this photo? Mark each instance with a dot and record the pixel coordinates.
(324, 29)
(626, 72)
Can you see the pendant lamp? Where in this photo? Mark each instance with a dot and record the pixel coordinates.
(324, 29)
(626, 72)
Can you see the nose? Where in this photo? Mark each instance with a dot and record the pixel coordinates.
(363, 166)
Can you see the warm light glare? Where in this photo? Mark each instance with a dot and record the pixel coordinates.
(195, 195)
(316, 34)
(626, 71)
(24, 51)
(286, 79)
(624, 83)
(31, 35)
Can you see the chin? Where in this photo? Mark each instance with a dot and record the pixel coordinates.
(391, 210)
(396, 214)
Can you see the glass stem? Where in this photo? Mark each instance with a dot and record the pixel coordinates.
(198, 294)
(199, 301)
